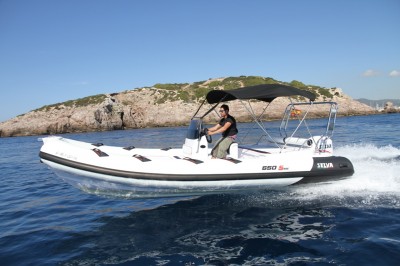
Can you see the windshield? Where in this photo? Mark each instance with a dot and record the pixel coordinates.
(194, 129)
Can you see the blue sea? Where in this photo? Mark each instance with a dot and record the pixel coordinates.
(355, 221)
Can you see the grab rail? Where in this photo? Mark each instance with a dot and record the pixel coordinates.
(291, 108)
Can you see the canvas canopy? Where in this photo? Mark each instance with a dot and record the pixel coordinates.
(263, 92)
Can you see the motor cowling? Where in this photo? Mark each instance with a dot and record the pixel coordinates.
(324, 145)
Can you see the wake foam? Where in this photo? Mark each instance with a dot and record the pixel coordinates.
(377, 169)
(375, 183)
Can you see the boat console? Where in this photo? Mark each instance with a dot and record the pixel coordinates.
(196, 144)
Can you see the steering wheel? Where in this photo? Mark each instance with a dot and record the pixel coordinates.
(208, 138)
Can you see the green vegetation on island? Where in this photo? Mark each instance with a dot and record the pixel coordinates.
(187, 92)
(192, 92)
(95, 99)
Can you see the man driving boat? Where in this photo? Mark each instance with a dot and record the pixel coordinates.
(226, 126)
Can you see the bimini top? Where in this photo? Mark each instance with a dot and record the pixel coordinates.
(263, 92)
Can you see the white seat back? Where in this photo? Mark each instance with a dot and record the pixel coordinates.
(234, 150)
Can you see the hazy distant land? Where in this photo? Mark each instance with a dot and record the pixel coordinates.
(379, 103)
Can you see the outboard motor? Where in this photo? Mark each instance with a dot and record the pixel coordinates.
(196, 145)
(324, 145)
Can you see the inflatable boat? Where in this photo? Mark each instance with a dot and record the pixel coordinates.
(271, 162)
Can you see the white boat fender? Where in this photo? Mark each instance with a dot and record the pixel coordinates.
(298, 141)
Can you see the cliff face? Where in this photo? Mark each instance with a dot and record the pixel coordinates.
(147, 107)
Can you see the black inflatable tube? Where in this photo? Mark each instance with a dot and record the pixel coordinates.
(324, 168)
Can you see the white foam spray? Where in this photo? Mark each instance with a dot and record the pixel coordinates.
(375, 183)
(376, 180)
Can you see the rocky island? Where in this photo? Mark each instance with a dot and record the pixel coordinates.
(156, 106)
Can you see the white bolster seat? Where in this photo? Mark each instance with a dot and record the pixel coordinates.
(233, 150)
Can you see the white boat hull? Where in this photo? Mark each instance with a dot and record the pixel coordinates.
(142, 173)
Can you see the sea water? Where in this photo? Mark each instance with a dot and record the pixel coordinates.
(355, 221)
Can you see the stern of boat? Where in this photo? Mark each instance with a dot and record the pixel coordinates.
(328, 169)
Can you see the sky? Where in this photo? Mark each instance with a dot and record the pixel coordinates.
(52, 51)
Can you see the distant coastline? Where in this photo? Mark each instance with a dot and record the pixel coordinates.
(384, 105)
(161, 105)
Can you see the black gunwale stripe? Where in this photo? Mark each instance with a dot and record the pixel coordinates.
(168, 177)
